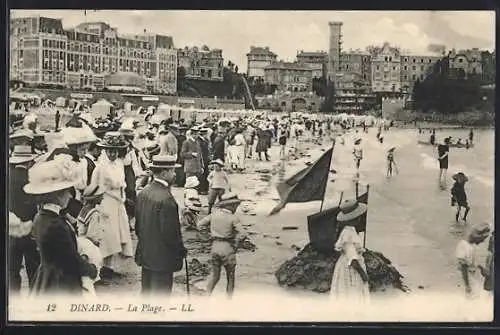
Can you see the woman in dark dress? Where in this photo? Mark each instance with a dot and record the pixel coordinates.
(443, 150)
(263, 142)
(61, 267)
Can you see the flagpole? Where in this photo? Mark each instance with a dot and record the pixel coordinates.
(366, 223)
(328, 171)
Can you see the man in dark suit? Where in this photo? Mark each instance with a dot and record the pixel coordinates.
(21, 242)
(160, 250)
(205, 153)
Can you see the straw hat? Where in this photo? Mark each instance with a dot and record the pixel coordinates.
(93, 191)
(350, 210)
(165, 162)
(228, 199)
(218, 161)
(153, 150)
(194, 205)
(54, 175)
(460, 177)
(192, 182)
(357, 141)
(391, 149)
(21, 154)
(480, 231)
(113, 139)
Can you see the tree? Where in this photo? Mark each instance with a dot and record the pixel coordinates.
(329, 102)
(181, 75)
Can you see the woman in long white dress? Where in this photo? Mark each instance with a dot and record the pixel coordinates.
(110, 175)
(350, 279)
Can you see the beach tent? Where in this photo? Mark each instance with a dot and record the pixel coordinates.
(101, 108)
(61, 102)
(127, 106)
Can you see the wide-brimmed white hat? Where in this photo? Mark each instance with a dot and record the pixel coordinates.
(54, 175)
(350, 210)
(192, 182)
(80, 135)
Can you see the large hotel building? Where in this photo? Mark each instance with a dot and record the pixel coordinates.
(91, 55)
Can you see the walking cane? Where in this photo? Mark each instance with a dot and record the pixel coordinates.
(187, 275)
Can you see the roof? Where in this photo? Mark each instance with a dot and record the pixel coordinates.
(260, 51)
(288, 66)
(311, 54)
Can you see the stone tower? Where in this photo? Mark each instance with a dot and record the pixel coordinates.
(334, 65)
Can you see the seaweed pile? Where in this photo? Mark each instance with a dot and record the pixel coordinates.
(313, 270)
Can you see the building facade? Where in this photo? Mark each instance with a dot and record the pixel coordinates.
(353, 94)
(415, 67)
(357, 62)
(42, 52)
(294, 77)
(335, 50)
(386, 69)
(469, 61)
(317, 61)
(201, 63)
(257, 59)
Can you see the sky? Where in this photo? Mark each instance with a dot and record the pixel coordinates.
(285, 32)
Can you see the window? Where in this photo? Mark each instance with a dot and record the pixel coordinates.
(413, 67)
(394, 68)
(430, 60)
(406, 59)
(421, 60)
(460, 60)
(414, 60)
(386, 58)
(378, 67)
(390, 59)
(422, 68)
(414, 77)
(405, 77)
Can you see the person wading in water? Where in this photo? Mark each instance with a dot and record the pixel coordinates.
(443, 150)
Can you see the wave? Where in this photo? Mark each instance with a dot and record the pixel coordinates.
(429, 162)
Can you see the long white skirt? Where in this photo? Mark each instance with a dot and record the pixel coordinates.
(347, 284)
(118, 239)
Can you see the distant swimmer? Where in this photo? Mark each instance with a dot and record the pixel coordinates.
(471, 136)
(433, 137)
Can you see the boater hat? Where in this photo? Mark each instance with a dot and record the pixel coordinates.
(228, 199)
(92, 191)
(192, 182)
(350, 210)
(480, 231)
(391, 149)
(54, 175)
(165, 162)
(21, 154)
(113, 139)
(218, 161)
